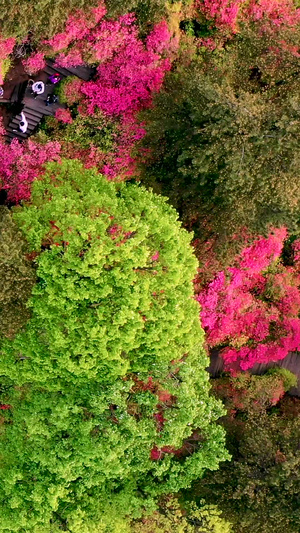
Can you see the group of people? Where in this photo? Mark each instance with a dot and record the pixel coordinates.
(37, 88)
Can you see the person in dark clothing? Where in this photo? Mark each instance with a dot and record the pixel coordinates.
(51, 99)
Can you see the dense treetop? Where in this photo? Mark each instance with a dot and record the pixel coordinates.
(105, 403)
(105, 388)
(259, 490)
(224, 136)
(112, 243)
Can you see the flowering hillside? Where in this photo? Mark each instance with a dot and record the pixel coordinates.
(253, 307)
(161, 125)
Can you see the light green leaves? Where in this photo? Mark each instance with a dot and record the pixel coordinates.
(110, 365)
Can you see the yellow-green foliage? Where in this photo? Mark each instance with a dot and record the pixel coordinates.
(5, 65)
(114, 332)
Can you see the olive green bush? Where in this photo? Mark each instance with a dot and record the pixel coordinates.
(222, 139)
(43, 18)
(17, 276)
(258, 491)
(177, 518)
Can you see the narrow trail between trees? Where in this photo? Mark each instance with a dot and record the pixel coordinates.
(290, 362)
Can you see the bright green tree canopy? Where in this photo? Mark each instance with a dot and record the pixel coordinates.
(107, 383)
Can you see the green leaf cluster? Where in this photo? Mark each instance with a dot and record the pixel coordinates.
(81, 133)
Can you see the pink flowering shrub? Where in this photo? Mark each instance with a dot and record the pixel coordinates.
(98, 13)
(6, 47)
(250, 311)
(72, 59)
(34, 63)
(21, 163)
(78, 26)
(110, 37)
(159, 41)
(224, 13)
(276, 11)
(64, 115)
(129, 73)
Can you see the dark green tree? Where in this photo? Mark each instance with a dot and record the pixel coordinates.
(224, 138)
(258, 491)
(147, 11)
(107, 384)
(17, 276)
